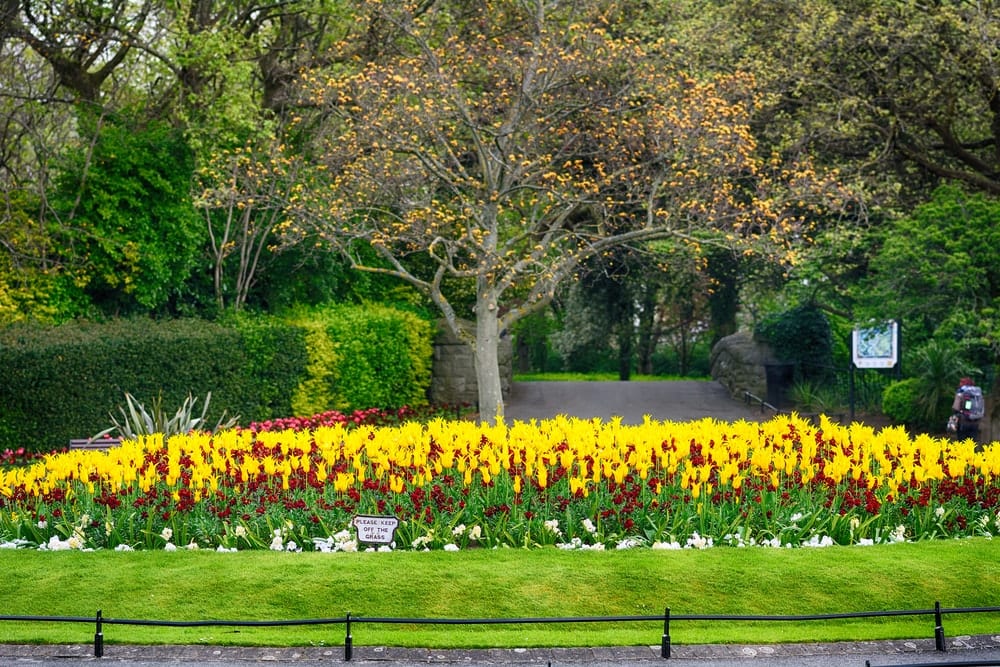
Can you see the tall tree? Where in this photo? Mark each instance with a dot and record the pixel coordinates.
(244, 192)
(898, 94)
(511, 140)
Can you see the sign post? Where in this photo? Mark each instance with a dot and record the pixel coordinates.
(875, 346)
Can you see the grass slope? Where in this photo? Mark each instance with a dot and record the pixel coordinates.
(190, 586)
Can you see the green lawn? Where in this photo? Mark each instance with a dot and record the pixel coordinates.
(190, 586)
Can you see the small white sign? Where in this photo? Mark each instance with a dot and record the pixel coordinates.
(376, 529)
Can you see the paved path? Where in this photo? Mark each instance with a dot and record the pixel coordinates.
(676, 400)
(978, 650)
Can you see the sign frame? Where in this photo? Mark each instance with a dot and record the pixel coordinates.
(876, 346)
(375, 529)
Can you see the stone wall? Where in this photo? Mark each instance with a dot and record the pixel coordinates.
(738, 363)
(453, 380)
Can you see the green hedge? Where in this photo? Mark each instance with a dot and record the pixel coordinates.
(364, 357)
(59, 383)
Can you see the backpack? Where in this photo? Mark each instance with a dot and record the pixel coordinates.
(972, 405)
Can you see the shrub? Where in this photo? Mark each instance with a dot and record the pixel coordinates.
(899, 401)
(363, 357)
(803, 336)
(62, 382)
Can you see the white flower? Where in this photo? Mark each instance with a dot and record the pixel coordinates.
(458, 530)
(192, 546)
(277, 544)
(898, 534)
(422, 541)
(55, 544)
(240, 531)
(666, 545)
(574, 543)
(124, 547)
(43, 524)
(223, 550)
(17, 543)
(939, 512)
(817, 541)
(855, 523)
(696, 541)
(552, 525)
(170, 546)
(475, 533)
(589, 526)
(796, 517)
(75, 542)
(167, 533)
(451, 547)
(628, 543)
(292, 546)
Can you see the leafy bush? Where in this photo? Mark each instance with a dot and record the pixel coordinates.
(60, 383)
(803, 336)
(941, 366)
(363, 357)
(899, 401)
(812, 396)
(276, 358)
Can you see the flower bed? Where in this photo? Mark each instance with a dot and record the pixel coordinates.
(457, 484)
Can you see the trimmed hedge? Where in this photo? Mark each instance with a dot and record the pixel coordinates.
(364, 357)
(59, 383)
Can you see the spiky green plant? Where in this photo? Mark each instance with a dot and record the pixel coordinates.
(138, 419)
(941, 365)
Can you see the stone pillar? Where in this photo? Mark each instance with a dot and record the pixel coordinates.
(453, 378)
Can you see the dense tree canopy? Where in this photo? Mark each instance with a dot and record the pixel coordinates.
(150, 153)
(511, 143)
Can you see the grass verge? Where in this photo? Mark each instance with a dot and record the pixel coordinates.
(190, 586)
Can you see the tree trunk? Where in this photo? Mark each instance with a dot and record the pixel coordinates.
(487, 358)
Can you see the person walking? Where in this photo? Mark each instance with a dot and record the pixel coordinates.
(967, 409)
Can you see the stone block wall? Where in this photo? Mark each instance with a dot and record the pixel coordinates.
(738, 362)
(453, 380)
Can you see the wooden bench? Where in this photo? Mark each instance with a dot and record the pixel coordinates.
(94, 443)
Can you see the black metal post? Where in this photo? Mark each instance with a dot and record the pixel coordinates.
(938, 628)
(665, 640)
(99, 638)
(348, 640)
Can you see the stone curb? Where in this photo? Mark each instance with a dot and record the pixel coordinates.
(390, 655)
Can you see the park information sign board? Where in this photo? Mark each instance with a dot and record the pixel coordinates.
(876, 346)
(376, 529)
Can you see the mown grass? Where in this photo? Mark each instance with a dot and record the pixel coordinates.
(508, 583)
